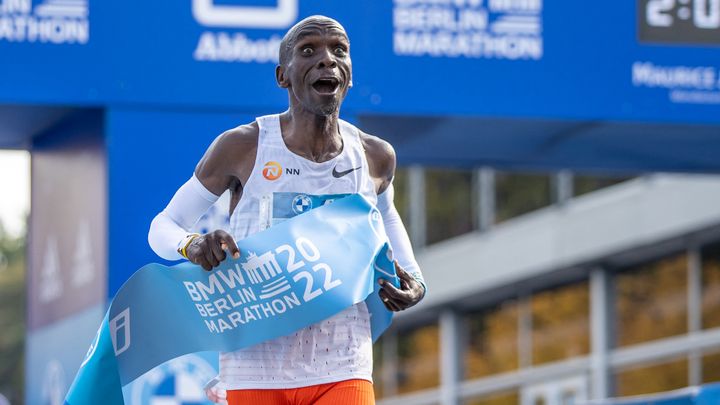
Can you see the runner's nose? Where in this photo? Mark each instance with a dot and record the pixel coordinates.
(326, 60)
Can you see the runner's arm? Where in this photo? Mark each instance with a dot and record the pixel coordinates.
(228, 160)
(171, 226)
(382, 161)
(399, 240)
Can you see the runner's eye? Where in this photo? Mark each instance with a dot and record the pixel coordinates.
(307, 51)
(340, 51)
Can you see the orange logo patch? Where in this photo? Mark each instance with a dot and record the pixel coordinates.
(272, 170)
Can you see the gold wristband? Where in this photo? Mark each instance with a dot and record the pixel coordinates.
(185, 243)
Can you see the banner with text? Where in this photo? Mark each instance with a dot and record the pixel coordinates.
(296, 273)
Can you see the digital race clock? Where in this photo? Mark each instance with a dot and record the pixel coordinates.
(679, 21)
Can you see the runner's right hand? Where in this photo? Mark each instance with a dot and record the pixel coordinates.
(208, 250)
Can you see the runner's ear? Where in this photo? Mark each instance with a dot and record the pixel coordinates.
(280, 77)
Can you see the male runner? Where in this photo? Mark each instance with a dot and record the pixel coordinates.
(329, 362)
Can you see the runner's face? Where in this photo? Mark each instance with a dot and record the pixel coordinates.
(320, 70)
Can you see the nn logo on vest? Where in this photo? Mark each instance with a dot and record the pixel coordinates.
(273, 170)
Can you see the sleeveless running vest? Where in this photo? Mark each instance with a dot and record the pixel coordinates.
(282, 185)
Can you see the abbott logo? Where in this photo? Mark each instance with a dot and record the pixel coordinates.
(213, 15)
(120, 331)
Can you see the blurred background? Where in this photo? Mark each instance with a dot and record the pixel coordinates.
(557, 175)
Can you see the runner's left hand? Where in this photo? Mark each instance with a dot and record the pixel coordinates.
(399, 299)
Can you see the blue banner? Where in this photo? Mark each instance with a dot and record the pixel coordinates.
(295, 274)
(657, 60)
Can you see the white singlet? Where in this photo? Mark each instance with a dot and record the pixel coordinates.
(281, 185)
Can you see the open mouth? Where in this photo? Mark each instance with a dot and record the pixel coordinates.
(327, 85)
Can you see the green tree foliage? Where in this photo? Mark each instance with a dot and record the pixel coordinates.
(448, 203)
(12, 316)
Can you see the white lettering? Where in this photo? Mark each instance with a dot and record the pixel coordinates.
(292, 264)
(504, 29)
(292, 300)
(695, 97)
(279, 306)
(15, 6)
(190, 287)
(209, 309)
(249, 315)
(429, 18)
(233, 276)
(244, 315)
(236, 47)
(211, 288)
(646, 74)
(223, 325)
(249, 295)
(532, 6)
(235, 318)
(307, 249)
(329, 283)
(267, 309)
(309, 294)
(475, 45)
(47, 30)
(221, 304)
(211, 326)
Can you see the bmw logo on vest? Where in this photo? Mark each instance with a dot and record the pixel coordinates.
(301, 203)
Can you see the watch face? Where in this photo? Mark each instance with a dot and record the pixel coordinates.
(679, 21)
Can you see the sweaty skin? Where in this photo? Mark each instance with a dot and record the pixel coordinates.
(316, 51)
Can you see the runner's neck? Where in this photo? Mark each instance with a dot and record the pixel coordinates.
(315, 137)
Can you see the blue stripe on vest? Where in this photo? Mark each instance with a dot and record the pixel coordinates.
(292, 275)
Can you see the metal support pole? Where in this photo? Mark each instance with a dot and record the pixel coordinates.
(390, 366)
(563, 186)
(599, 330)
(449, 357)
(418, 221)
(524, 332)
(484, 192)
(694, 304)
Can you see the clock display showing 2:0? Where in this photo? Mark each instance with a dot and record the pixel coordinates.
(679, 21)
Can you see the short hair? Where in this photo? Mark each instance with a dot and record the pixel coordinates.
(290, 37)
